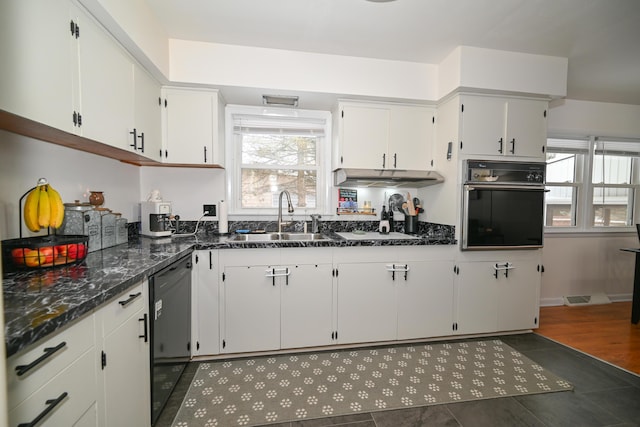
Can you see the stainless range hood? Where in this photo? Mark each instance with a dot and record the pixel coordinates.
(386, 178)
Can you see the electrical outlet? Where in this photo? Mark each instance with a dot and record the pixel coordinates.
(209, 208)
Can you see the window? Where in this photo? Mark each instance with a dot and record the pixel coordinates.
(274, 150)
(565, 160)
(614, 166)
(592, 183)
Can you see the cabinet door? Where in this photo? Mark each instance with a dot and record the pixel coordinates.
(526, 133)
(483, 125)
(306, 306)
(518, 296)
(106, 87)
(148, 122)
(36, 48)
(425, 300)
(411, 138)
(189, 126)
(366, 303)
(476, 298)
(364, 137)
(126, 374)
(206, 330)
(251, 309)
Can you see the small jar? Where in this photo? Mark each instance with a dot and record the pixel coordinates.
(96, 198)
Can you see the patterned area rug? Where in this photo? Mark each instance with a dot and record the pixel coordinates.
(263, 390)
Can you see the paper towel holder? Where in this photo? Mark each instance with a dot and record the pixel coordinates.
(223, 223)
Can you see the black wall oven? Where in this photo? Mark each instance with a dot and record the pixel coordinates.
(503, 205)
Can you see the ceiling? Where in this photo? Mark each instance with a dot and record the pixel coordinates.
(600, 38)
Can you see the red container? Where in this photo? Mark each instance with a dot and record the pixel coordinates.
(43, 252)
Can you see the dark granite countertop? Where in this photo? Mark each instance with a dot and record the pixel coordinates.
(38, 302)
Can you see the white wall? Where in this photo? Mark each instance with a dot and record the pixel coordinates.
(227, 65)
(186, 188)
(73, 173)
(585, 265)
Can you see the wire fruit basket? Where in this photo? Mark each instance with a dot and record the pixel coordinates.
(43, 252)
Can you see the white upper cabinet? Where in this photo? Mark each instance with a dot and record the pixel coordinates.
(411, 137)
(36, 45)
(106, 87)
(384, 136)
(497, 126)
(147, 114)
(364, 136)
(193, 131)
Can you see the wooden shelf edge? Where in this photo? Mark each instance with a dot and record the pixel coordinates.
(32, 129)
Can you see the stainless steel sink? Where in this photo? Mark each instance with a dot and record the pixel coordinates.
(266, 237)
(303, 236)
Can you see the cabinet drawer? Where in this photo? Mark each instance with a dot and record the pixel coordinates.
(122, 307)
(47, 360)
(78, 381)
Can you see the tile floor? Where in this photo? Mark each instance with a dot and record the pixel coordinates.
(603, 396)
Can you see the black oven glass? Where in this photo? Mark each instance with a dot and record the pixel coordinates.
(504, 217)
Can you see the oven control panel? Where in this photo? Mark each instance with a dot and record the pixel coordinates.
(498, 172)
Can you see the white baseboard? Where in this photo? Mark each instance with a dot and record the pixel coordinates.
(550, 302)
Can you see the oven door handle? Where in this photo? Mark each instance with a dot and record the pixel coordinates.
(470, 187)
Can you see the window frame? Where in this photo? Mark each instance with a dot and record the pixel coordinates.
(234, 159)
(584, 186)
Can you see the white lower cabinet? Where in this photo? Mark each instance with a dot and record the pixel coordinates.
(404, 297)
(55, 380)
(123, 350)
(205, 330)
(366, 303)
(425, 299)
(494, 296)
(268, 304)
(306, 300)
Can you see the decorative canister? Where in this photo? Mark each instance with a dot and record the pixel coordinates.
(122, 232)
(108, 224)
(82, 219)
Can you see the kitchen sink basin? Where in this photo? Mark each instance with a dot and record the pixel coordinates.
(266, 237)
(303, 236)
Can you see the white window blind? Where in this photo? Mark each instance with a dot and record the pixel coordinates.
(626, 148)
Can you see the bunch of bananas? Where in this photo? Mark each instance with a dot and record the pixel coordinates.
(43, 208)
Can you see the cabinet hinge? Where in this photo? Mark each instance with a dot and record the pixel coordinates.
(75, 29)
(103, 360)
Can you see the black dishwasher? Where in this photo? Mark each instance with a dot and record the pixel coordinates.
(170, 313)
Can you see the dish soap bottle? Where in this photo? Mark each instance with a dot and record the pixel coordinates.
(384, 221)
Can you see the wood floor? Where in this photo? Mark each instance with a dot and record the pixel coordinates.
(604, 331)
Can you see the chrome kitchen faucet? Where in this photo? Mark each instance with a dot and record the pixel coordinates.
(289, 209)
